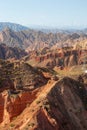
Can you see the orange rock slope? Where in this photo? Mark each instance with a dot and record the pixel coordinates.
(59, 105)
(11, 105)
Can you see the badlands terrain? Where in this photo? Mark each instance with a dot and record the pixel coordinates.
(43, 80)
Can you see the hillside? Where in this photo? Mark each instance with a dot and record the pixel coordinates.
(59, 105)
(37, 40)
(11, 53)
(21, 74)
(43, 80)
(35, 98)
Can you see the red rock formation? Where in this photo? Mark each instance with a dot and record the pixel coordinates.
(1, 107)
(18, 104)
(65, 58)
(12, 105)
(59, 106)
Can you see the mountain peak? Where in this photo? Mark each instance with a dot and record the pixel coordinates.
(12, 26)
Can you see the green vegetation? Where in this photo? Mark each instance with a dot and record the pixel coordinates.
(14, 95)
(70, 72)
(38, 101)
(46, 106)
(31, 124)
(12, 125)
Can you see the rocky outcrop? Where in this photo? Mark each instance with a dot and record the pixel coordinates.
(11, 105)
(28, 101)
(19, 84)
(1, 107)
(73, 60)
(9, 52)
(68, 98)
(65, 107)
(62, 107)
(59, 58)
(45, 122)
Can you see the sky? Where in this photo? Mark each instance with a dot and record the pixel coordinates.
(51, 13)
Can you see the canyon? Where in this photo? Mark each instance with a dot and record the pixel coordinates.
(43, 84)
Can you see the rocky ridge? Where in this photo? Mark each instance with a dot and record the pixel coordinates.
(60, 105)
(37, 40)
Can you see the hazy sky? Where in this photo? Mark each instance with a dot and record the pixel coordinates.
(44, 12)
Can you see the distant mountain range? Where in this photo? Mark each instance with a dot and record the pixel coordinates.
(37, 40)
(15, 35)
(17, 27)
(13, 26)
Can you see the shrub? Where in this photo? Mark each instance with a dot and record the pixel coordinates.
(12, 125)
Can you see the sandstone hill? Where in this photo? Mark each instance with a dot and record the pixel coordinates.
(61, 58)
(20, 76)
(34, 98)
(59, 105)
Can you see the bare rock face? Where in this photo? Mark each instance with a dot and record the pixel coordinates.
(62, 108)
(7, 52)
(1, 107)
(59, 105)
(73, 60)
(59, 58)
(19, 83)
(16, 105)
(11, 105)
(66, 61)
(45, 122)
(68, 100)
